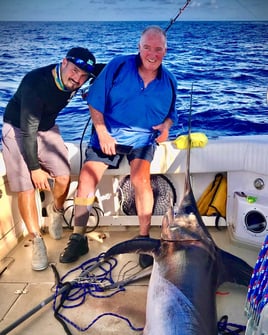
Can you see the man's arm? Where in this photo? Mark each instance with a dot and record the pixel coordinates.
(31, 108)
(107, 142)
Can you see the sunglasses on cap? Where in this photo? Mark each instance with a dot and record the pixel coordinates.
(86, 66)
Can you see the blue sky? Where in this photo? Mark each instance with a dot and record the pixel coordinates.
(121, 10)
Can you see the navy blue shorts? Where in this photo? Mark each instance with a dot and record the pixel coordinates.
(94, 154)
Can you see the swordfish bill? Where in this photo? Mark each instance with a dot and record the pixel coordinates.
(188, 268)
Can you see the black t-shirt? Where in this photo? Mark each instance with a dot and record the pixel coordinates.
(35, 106)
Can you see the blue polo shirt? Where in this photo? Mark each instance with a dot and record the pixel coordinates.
(130, 110)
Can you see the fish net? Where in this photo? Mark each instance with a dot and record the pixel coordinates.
(163, 191)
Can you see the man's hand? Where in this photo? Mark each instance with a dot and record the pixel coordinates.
(107, 143)
(163, 128)
(40, 179)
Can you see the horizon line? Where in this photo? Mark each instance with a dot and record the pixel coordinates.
(160, 20)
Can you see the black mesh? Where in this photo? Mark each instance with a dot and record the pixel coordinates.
(163, 191)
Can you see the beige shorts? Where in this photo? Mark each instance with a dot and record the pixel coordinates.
(52, 156)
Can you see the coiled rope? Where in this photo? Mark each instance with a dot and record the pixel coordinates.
(225, 327)
(95, 284)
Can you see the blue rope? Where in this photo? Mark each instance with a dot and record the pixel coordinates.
(226, 327)
(83, 329)
(88, 283)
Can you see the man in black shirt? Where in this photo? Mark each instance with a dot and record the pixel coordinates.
(33, 149)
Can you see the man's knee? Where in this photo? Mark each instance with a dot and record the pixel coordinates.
(63, 180)
(140, 181)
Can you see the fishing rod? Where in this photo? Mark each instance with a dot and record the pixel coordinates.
(46, 301)
(172, 21)
(86, 276)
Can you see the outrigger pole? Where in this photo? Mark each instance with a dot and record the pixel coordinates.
(47, 300)
(67, 286)
(172, 21)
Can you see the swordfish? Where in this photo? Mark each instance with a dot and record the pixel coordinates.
(188, 268)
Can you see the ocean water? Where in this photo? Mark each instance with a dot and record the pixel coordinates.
(222, 65)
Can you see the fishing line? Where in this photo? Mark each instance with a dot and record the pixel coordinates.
(242, 5)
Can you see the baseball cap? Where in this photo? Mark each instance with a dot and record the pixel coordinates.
(82, 58)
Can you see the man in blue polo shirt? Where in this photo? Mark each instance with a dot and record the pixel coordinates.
(132, 103)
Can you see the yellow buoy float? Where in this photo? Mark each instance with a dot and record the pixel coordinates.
(198, 140)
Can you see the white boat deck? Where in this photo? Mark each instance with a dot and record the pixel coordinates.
(243, 159)
(22, 289)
